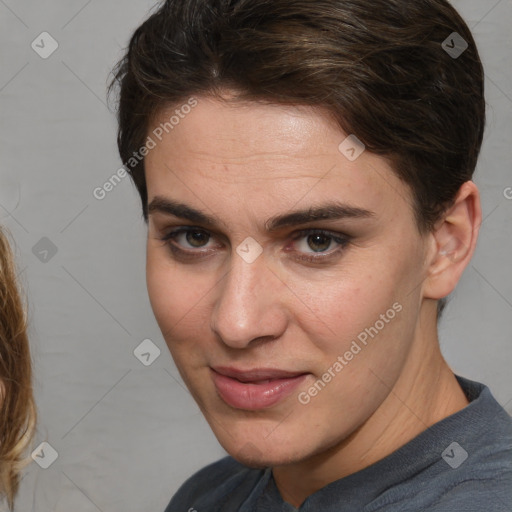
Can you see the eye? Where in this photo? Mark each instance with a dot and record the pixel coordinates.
(309, 245)
(316, 244)
(187, 239)
(195, 238)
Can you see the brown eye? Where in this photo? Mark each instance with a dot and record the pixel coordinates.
(188, 238)
(197, 238)
(319, 243)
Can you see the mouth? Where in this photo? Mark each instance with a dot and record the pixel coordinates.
(254, 389)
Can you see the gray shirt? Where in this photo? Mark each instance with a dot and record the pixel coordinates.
(461, 464)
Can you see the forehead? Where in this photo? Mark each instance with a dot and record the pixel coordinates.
(237, 130)
(265, 151)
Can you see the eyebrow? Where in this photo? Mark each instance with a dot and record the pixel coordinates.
(329, 211)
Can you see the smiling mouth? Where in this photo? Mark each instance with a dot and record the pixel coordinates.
(254, 389)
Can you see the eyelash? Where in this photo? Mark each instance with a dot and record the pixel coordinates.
(341, 239)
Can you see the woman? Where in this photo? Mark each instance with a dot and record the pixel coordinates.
(17, 410)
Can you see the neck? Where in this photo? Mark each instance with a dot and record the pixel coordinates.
(425, 393)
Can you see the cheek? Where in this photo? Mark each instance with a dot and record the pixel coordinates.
(163, 287)
(168, 292)
(371, 326)
(179, 300)
(344, 303)
(367, 311)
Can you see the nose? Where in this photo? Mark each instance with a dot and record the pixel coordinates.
(248, 306)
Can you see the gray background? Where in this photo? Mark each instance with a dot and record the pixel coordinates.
(127, 435)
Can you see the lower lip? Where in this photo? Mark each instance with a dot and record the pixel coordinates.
(252, 396)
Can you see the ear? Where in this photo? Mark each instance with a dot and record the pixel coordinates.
(453, 242)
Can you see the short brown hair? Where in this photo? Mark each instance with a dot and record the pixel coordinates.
(378, 67)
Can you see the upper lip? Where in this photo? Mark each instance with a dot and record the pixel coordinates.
(255, 374)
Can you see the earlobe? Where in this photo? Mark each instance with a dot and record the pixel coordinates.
(453, 242)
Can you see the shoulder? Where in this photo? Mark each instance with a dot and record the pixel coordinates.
(491, 493)
(482, 478)
(213, 485)
(465, 462)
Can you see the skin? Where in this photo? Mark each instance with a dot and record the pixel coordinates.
(244, 163)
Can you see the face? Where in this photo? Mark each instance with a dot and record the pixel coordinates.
(283, 275)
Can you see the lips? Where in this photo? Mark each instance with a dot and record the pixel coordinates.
(254, 389)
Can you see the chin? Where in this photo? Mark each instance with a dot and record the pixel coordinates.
(251, 456)
(261, 451)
